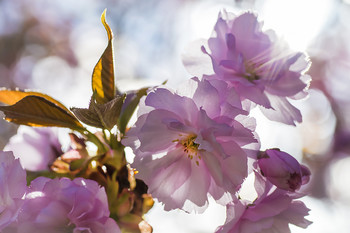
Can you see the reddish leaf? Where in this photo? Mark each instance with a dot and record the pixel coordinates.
(11, 97)
(104, 116)
(87, 116)
(38, 111)
(109, 112)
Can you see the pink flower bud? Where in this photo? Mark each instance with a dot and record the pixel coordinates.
(283, 170)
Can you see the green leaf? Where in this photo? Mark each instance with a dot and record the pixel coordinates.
(131, 102)
(103, 74)
(38, 111)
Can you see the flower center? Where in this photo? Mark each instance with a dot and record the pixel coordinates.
(250, 71)
(190, 148)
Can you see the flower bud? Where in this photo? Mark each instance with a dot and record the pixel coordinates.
(124, 203)
(283, 170)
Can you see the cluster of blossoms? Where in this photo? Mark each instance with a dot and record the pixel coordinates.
(51, 205)
(190, 144)
(199, 141)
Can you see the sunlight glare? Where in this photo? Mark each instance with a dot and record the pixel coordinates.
(298, 21)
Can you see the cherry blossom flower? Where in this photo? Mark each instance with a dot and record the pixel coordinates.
(272, 211)
(221, 103)
(258, 65)
(63, 205)
(13, 185)
(283, 170)
(182, 154)
(36, 147)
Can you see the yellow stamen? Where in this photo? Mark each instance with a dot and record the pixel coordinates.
(190, 147)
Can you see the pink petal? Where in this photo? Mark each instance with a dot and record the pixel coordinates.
(282, 111)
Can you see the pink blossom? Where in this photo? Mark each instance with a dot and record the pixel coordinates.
(36, 147)
(272, 211)
(63, 205)
(258, 65)
(12, 188)
(282, 169)
(220, 102)
(182, 154)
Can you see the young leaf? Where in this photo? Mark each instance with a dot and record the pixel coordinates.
(87, 116)
(103, 74)
(109, 112)
(11, 97)
(38, 111)
(104, 116)
(130, 104)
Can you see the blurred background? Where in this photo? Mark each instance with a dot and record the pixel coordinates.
(52, 47)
